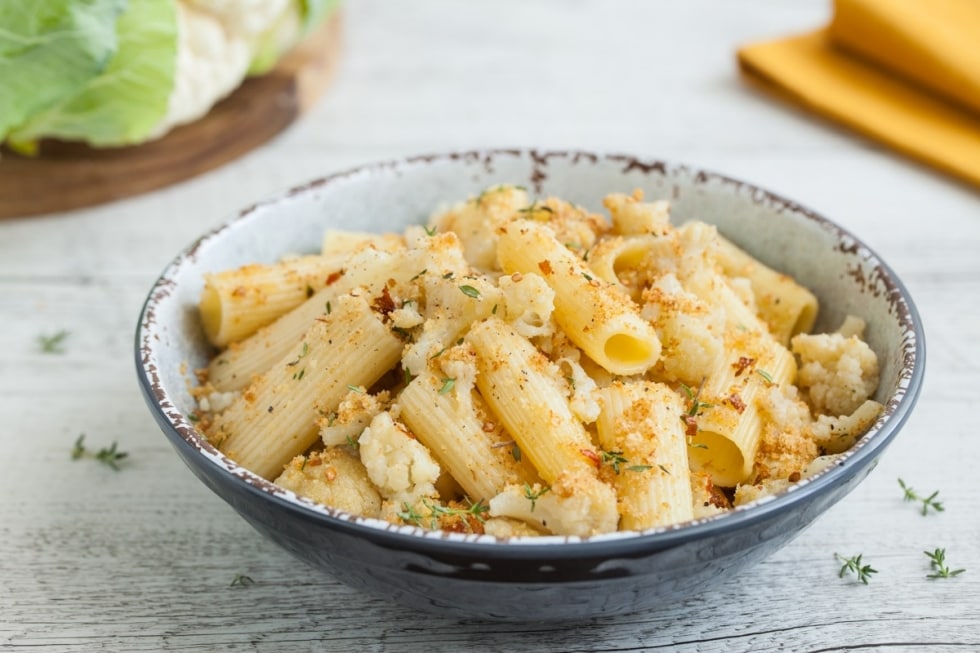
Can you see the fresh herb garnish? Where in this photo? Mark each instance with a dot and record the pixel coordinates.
(937, 560)
(613, 459)
(695, 408)
(52, 344)
(470, 291)
(107, 455)
(853, 565)
(765, 375)
(242, 580)
(927, 502)
(533, 495)
(303, 352)
(447, 385)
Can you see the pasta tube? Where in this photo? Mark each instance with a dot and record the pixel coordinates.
(462, 437)
(723, 420)
(235, 303)
(603, 322)
(787, 307)
(641, 434)
(275, 417)
(234, 368)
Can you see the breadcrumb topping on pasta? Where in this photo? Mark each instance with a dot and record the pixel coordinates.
(522, 366)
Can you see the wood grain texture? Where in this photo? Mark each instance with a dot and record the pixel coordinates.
(143, 559)
(66, 176)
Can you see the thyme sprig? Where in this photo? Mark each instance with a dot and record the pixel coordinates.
(52, 344)
(107, 455)
(533, 495)
(937, 561)
(853, 565)
(241, 580)
(619, 462)
(927, 502)
(695, 408)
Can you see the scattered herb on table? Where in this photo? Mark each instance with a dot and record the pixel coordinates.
(937, 560)
(242, 580)
(927, 502)
(107, 455)
(52, 344)
(853, 565)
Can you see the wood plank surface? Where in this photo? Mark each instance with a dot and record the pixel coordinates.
(143, 559)
(67, 176)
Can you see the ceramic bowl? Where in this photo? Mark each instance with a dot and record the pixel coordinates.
(547, 578)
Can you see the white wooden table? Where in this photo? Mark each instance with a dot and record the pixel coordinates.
(143, 558)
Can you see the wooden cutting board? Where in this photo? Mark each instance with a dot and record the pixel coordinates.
(71, 175)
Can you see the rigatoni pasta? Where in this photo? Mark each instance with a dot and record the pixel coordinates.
(522, 366)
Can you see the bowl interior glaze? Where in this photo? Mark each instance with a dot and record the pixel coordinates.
(478, 575)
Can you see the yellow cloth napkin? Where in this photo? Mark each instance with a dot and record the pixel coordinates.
(905, 72)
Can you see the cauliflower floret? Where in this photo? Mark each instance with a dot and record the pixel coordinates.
(398, 464)
(575, 504)
(506, 527)
(476, 222)
(631, 215)
(747, 493)
(355, 412)
(529, 302)
(335, 478)
(215, 402)
(689, 329)
(751, 492)
(786, 446)
(837, 373)
(583, 400)
(837, 434)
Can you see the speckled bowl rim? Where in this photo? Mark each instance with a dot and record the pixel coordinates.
(898, 406)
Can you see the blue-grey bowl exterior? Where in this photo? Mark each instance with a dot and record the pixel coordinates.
(550, 578)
